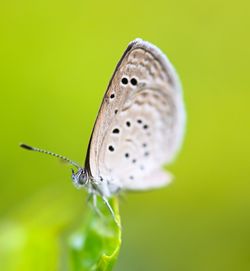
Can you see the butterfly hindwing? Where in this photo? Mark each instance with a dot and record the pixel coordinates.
(140, 124)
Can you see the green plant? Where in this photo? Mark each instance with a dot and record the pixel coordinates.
(95, 245)
(36, 235)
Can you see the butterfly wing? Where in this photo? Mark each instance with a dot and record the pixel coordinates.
(140, 125)
(157, 178)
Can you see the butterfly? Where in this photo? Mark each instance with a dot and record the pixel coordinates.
(139, 127)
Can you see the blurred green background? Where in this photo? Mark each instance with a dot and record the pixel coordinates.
(56, 60)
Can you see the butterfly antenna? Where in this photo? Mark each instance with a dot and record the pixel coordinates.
(30, 148)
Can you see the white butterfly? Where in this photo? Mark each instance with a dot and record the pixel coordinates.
(139, 127)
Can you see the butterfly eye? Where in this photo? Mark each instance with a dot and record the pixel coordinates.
(112, 96)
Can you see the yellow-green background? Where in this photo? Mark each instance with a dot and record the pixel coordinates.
(56, 60)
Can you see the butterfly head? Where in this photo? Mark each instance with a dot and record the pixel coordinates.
(80, 178)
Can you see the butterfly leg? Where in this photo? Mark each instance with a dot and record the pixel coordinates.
(111, 210)
(89, 196)
(95, 205)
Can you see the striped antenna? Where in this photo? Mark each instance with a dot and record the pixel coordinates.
(30, 148)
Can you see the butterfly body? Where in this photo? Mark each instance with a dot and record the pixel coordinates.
(140, 124)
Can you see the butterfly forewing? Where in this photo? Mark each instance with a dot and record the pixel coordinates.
(140, 123)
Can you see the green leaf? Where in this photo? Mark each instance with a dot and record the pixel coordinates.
(40, 234)
(96, 244)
